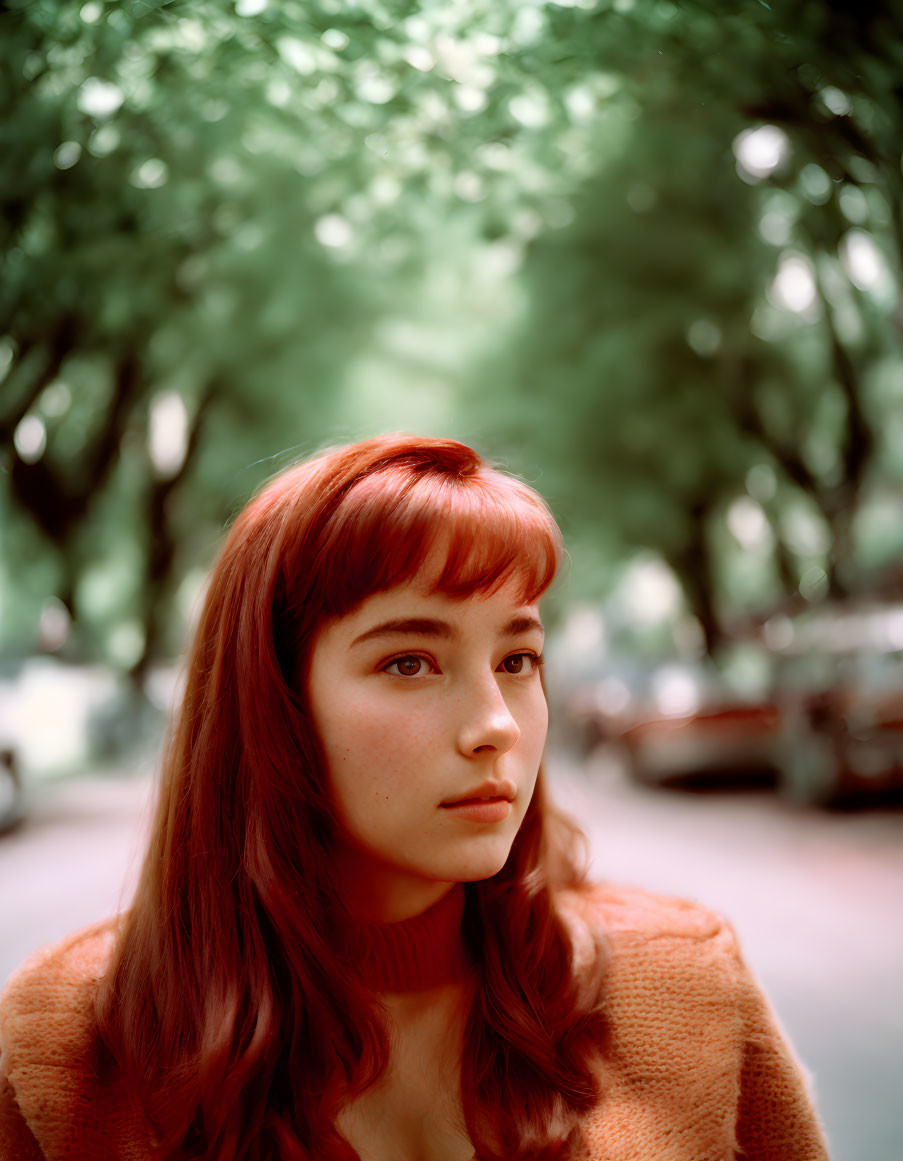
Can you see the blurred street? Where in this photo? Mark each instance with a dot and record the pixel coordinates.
(814, 896)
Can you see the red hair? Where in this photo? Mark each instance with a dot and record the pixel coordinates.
(227, 1006)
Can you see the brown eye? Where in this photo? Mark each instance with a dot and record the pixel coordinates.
(519, 663)
(406, 666)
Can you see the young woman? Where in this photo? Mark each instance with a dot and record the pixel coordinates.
(361, 931)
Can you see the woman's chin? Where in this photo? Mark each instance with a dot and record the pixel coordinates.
(477, 868)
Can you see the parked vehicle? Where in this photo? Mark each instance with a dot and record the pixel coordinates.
(824, 723)
(841, 747)
(687, 723)
(841, 687)
(715, 744)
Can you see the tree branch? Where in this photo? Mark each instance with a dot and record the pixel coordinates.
(859, 441)
(57, 505)
(61, 344)
(750, 421)
(161, 539)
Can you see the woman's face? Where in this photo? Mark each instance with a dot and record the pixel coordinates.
(432, 718)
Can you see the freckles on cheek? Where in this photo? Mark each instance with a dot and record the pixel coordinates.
(377, 745)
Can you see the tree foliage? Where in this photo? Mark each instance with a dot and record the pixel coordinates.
(236, 230)
(724, 307)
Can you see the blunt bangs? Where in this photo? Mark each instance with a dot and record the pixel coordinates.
(472, 533)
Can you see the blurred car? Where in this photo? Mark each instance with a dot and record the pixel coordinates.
(822, 720)
(840, 681)
(842, 747)
(715, 744)
(686, 722)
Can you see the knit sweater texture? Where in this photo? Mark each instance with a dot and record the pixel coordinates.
(695, 1067)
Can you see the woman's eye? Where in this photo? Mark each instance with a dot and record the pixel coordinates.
(409, 666)
(520, 663)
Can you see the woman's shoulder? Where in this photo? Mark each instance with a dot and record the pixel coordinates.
(649, 935)
(688, 1022)
(50, 1096)
(49, 999)
(624, 911)
(670, 975)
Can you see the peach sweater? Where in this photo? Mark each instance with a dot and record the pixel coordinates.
(695, 1069)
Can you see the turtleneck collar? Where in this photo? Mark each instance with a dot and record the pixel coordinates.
(414, 954)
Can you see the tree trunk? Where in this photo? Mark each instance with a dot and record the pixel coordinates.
(694, 568)
(162, 545)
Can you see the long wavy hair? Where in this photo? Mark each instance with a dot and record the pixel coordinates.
(228, 1007)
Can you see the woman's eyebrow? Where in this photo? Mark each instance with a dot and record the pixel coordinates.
(525, 624)
(412, 626)
(519, 625)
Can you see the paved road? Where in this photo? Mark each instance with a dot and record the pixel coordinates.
(816, 899)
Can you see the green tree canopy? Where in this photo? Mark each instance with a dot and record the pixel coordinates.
(648, 251)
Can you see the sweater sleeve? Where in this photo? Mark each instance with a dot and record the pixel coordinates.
(776, 1119)
(16, 1140)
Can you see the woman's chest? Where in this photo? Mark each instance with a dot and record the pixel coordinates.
(414, 1112)
(403, 1120)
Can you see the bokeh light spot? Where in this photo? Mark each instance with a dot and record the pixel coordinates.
(30, 439)
(65, 156)
(759, 152)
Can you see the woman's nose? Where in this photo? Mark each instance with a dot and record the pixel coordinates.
(487, 723)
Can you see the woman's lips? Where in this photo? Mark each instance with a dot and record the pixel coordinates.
(480, 809)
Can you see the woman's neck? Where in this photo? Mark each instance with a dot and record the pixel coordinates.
(415, 954)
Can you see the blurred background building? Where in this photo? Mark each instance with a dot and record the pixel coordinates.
(646, 254)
